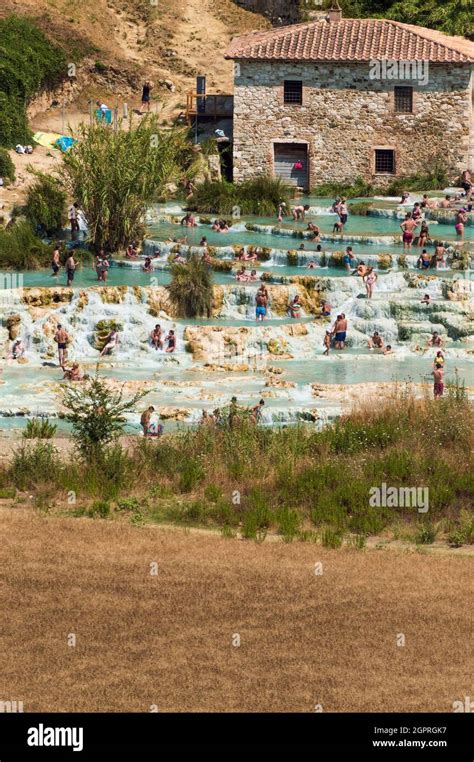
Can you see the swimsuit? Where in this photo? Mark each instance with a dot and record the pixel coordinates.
(55, 267)
(261, 310)
(346, 259)
(70, 274)
(407, 236)
(439, 387)
(425, 263)
(340, 336)
(62, 345)
(343, 218)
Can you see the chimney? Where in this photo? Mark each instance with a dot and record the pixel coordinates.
(335, 12)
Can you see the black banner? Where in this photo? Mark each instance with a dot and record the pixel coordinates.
(90, 736)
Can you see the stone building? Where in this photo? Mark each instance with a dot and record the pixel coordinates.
(336, 99)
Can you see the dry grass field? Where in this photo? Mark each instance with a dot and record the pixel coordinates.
(166, 639)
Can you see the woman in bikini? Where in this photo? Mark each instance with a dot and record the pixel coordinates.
(370, 280)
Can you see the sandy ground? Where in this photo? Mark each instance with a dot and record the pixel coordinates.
(167, 639)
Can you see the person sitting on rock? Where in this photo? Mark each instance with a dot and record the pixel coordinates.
(18, 350)
(376, 342)
(131, 251)
(74, 373)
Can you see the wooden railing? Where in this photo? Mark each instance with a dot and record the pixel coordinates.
(212, 105)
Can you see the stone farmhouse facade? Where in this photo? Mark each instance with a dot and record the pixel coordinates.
(336, 99)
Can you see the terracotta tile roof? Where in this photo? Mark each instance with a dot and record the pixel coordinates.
(352, 40)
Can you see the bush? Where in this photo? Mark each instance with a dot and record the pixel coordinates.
(259, 196)
(191, 288)
(100, 508)
(34, 464)
(97, 415)
(20, 249)
(45, 204)
(30, 62)
(39, 428)
(7, 168)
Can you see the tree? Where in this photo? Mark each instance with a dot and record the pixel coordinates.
(97, 415)
(115, 175)
(191, 288)
(449, 16)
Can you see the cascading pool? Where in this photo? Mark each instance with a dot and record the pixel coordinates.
(280, 359)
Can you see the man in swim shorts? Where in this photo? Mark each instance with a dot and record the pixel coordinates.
(340, 331)
(61, 338)
(261, 306)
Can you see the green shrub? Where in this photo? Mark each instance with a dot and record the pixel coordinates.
(332, 538)
(191, 288)
(260, 196)
(456, 538)
(45, 204)
(34, 464)
(30, 62)
(100, 508)
(97, 416)
(288, 523)
(212, 493)
(20, 249)
(7, 168)
(39, 428)
(361, 208)
(192, 473)
(426, 534)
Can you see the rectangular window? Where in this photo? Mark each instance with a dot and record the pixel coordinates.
(404, 100)
(384, 161)
(292, 91)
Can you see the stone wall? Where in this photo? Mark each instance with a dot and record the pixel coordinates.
(346, 115)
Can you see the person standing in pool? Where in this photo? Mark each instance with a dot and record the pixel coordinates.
(104, 269)
(327, 343)
(438, 381)
(55, 262)
(70, 269)
(261, 306)
(461, 219)
(408, 227)
(440, 253)
(61, 338)
(146, 98)
(424, 234)
(343, 213)
(370, 279)
(340, 331)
